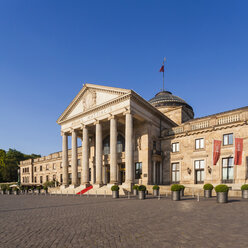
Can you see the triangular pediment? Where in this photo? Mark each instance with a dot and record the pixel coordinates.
(91, 96)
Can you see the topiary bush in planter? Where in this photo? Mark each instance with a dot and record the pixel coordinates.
(175, 192)
(135, 189)
(3, 188)
(155, 190)
(9, 190)
(222, 193)
(182, 187)
(16, 191)
(45, 189)
(244, 189)
(142, 192)
(115, 191)
(208, 187)
(38, 189)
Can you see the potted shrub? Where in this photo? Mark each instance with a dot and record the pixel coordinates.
(115, 191)
(135, 189)
(9, 190)
(222, 193)
(22, 189)
(3, 188)
(182, 187)
(208, 187)
(16, 191)
(38, 189)
(26, 189)
(45, 189)
(244, 189)
(142, 190)
(175, 192)
(155, 190)
(32, 189)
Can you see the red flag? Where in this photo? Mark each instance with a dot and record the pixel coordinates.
(216, 151)
(161, 69)
(238, 151)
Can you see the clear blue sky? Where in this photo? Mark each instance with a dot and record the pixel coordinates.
(48, 49)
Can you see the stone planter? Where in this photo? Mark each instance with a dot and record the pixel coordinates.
(245, 194)
(181, 192)
(9, 192)
(16, 192)
(115, 194)
(175, 195)
(222, 197)
(156, 192)
(38, 191)
(142, 195)
(207, 193)
(135, 192)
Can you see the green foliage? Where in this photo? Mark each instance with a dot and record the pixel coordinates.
(49, 184)
(45, 187)
(176, 187)
(155, 187)
(21, 187)
(136, 186)
(115, 188)
(221, 188)
(38, 187)
(15, 189)
(9, 162)
(3, 187)
(142, 188)
(9, 188)
(208, 186)
(244, 187)
(182, 187)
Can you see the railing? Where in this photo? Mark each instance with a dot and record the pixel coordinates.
(228, 119)
(200, 125)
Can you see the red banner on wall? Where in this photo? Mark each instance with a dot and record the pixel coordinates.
(216, 151)
(238, 151)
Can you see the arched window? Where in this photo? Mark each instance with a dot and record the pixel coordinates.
(120, 144)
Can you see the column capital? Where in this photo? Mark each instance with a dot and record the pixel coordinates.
(96, 122)
(112, 117)
(128, 111)
(64, 133)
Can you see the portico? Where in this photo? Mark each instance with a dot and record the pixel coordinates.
(108, 122)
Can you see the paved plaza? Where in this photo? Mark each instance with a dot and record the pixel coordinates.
(61, 221)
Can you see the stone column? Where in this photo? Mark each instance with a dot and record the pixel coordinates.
(154, 173)
(98, 155)
(104, 174)
(113, 150)
(74, 158)
(65, 158)
(129, 164)
(161, 173)
(85, 157)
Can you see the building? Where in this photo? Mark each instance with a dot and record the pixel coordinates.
(127, 140)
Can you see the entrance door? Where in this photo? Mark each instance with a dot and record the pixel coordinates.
(122, 173)
(108, 173)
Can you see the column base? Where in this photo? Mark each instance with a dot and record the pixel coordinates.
(63, 186)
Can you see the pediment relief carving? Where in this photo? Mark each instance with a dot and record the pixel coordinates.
(89, 99)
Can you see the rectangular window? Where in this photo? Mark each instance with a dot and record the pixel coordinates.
(61, 165)
(138, 170)
(47, 167)
(227, 170)
(54, 166)
(61, 178)
(175, 147)
(79, 162)
(35, 169)
(199, 171)
(175, 173)
(199, 143)
(41, 168)
(227, 139)
(41, 179)
(35, 179)
(47, 178)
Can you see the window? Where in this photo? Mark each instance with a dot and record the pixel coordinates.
(175, 176)
(41, 179)
(47, 167)
(35, 180)
(61, 178)
(227, 139)
(199, 143)
(138, 170)
(199, 171)
(79, 162)
(154, 145)
(41, 168)
(35, 169)
(120, 144)
(47, 178)
(54, 166)
(227, 170)
(175, 147)
(61, 165)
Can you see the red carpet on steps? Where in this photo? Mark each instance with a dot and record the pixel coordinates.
(84, 190)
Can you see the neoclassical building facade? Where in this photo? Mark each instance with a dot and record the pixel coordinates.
(127, 140)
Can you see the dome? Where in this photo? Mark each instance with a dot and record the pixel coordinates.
(166, 99)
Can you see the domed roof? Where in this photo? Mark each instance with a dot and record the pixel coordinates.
(165, 98)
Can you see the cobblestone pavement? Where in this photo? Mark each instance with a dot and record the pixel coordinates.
(61, 221)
